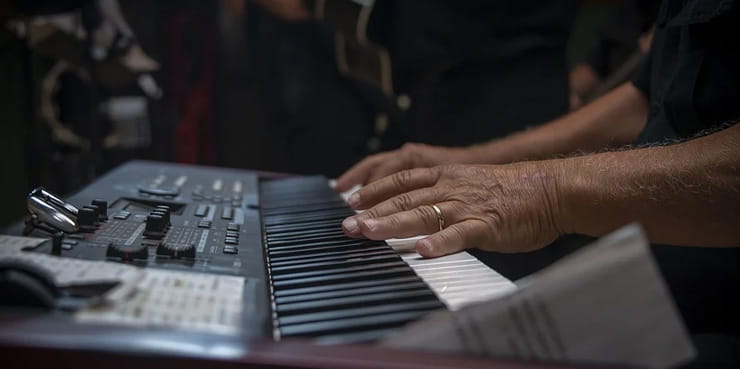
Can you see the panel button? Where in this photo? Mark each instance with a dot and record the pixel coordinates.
(159, 191)
(86, 218)
(156, 226)
(102, 208)
(204, 224)
(122, 215)
(231, 250)
(227, 213)
(164, 215)
(231, 241)
(232, 227)
(233, 234)
(201, 211)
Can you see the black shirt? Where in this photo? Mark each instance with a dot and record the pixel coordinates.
(692, 81)
(618, 39)
(692, 75)
(479, 69)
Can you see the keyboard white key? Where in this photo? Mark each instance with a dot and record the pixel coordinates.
(458, 279)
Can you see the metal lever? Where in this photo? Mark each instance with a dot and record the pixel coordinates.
(48, 210)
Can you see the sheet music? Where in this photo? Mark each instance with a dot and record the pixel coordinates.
(143, 297)
(14, 244)
(68, 272)
(606, 303)
(180, 300)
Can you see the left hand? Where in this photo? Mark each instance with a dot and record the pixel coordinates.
(508, 208)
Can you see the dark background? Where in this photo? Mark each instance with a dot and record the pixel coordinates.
(239, 78)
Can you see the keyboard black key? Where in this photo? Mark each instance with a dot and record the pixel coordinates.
(355, 301)
(307, 239)
(301, 209)
(327, 285)
(329, 265)
(349, 285)
(338, 257)
(342, 277)
(360, 312)
(316, 249)
(354, 292)
(351, 324)
(292, 232)
(327, 254)
(341, 270)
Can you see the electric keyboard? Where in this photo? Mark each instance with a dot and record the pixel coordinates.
(279, 239)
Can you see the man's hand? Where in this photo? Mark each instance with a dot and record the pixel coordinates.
(611, 121)
(583, 80)
(508, 208)
(683, 194)
(411, 155)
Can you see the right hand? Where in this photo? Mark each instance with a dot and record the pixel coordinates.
(410, 156)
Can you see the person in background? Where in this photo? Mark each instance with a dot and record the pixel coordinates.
(622, 44)
(455, 63)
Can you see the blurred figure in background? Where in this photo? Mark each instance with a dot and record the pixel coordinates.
(622, 45)
(454, 64)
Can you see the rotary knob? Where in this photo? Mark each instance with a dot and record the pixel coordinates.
(127, 252)
(176, 250)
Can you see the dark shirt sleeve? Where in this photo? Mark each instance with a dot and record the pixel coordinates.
(598, 58)
(641, 80)
(617, 39)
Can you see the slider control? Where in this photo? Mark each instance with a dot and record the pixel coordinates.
(155, 226)
(102, 208)
(86, 218)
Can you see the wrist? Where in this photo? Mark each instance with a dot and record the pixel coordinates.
(560, 186)
(491, 152)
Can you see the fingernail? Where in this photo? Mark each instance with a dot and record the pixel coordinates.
(425, 248)
(354, 200)
(350, 225)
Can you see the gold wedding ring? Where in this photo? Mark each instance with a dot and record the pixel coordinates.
(440, 217)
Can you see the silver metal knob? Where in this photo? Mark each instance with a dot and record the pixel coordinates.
(48, 209)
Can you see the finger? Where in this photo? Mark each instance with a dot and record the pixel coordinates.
(384, 169)
(414, 222)
(359, 172)
(405, 201)
(455, 238)
(393, 185)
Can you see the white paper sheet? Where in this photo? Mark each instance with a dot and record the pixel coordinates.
(178, 300)
(606, 303)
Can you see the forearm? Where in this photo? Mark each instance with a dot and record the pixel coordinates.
(683, 194)
(611, 121)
